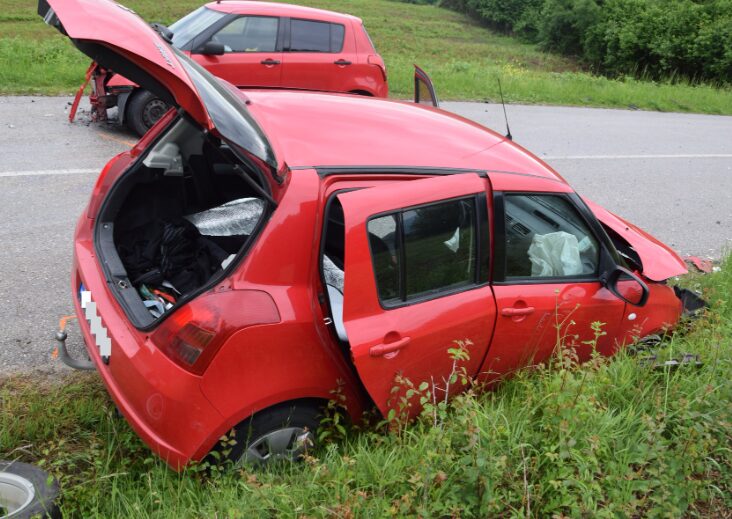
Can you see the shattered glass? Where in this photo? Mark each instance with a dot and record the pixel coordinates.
(332, 274)
(235, 218)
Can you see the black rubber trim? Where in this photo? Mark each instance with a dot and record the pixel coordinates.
(326, 171)
(483, 239)
(499, 239)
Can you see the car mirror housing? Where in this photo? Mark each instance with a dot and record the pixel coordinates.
(212, 48)
(627, 286)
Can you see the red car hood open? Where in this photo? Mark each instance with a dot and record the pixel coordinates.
(118, 39)
(660, 262)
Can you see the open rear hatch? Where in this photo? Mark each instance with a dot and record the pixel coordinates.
(183, 214)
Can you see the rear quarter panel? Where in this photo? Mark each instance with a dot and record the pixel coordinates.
(297, 358)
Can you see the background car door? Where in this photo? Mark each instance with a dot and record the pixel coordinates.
(416, 258)
(546, 283)
(253, 53)
(318, 56)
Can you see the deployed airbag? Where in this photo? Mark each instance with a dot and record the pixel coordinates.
(555, 254)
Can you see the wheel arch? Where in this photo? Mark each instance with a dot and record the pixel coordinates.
(239, 418)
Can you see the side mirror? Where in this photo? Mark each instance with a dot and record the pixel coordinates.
(211, 48)
(627, 286)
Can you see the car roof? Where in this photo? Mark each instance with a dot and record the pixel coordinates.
(315, 129)
(277, 9)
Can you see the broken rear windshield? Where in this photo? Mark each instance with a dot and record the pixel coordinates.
(228, 113)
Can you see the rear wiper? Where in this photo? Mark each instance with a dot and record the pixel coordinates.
(163, 31)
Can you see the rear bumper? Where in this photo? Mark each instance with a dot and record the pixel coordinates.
(163, 403)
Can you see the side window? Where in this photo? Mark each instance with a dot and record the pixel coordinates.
(546, 237)
(249, 34)
(311, 36)
(426, 250)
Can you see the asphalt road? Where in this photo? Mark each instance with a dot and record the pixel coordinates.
(669, 173)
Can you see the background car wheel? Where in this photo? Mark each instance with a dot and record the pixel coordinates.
(144, 110)
(25, 492)
(283, 432)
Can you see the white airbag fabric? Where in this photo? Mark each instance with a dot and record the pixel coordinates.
(555, 254)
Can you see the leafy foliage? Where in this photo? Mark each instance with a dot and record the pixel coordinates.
(644, 38)
(608, 438)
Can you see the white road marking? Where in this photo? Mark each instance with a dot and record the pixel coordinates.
(41, 172)
(638, 157)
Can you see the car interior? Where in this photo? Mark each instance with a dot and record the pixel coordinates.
(332, 263)
(546, 237)
(179, 217)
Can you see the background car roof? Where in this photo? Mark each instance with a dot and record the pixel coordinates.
(277, 9)
(314, 129)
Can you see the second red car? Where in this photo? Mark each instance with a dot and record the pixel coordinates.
(255, 44)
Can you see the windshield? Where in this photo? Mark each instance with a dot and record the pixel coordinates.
(192, 24)
(228, 113)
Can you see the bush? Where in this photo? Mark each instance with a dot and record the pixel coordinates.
(647, 38)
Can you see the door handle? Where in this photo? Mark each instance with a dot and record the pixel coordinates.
(342, 62)
(270, 61)
(513, 312)
(383, 349)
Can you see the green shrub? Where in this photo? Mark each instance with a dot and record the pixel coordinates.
(657, 39)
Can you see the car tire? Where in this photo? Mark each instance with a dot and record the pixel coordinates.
(283, 432)
(144, 110)
(27, 491)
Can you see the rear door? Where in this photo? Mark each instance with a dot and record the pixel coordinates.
(252, 52)
(416, 282)
(318, 56)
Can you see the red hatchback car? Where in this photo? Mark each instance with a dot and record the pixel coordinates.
(255, 251)
(255, 44)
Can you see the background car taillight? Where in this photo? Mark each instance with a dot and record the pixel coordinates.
(375, 59)
(193, 334)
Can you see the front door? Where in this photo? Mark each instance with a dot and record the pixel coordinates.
(252, 52)
(546, 282)
(416, 283)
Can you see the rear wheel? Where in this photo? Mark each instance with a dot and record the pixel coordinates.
(144, 110)
(283, 432)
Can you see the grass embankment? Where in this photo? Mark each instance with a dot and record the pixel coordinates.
(611, 438)
(463, 58)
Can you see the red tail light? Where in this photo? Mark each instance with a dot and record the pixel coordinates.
(374, 59)
(193, 334)
(190, 342)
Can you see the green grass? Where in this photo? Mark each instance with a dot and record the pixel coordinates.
(610, 438)
(463, 58)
